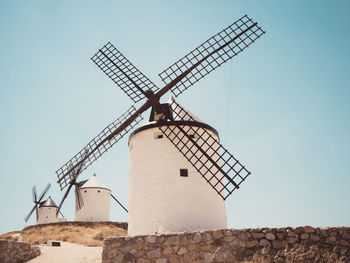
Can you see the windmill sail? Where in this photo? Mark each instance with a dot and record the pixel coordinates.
(219, 168)
(211, 159)
(122, 72)
(97, 147)
(37, 201)
(211, 54)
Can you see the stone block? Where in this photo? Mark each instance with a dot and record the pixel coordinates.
(207, 237)
(290, 233)
(172, 240)
(304, 236)
(197, 237)
(280, 236)
(182, 251)
(208, 257)
(143, 260)
(224, 255)
(309, 229)
(154, 253)
(264, 243)
(191, 247)
(292, 240)
(270, 236)
(346, 234)
(227, 233)
(184, 240)
(175, 259)
(315, 238)
(331, 239)
(257, 235)
(333, 234)
(167, 251)
(252, 243)
(193, 257)
(229, 239)
(218, 234)
(278, 244)
(205, 247)
(151, 239)
(138, 244)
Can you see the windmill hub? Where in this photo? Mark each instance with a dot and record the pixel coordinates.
(154, 100)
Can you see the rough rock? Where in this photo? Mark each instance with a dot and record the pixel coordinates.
(304, 244)
(13, 251)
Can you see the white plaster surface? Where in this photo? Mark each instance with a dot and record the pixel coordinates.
(162, 201)
(96, 204)
(47, 215)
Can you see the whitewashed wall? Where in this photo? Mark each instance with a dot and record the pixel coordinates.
(162, 201)
(47, 214)
(96, 205)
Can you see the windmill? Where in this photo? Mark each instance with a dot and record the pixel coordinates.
(96, 198)
(37, 201)
(45, 209)
(217, 166)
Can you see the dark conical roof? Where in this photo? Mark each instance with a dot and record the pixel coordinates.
(48, 203)
(175, 112)
(81, 183)
(178, 115)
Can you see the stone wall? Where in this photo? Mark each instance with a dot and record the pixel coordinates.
(13, 252)
(300, 244)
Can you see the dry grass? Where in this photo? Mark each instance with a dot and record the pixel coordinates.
(85, 235)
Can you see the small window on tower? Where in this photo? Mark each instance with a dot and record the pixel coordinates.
(157, 135)
(184, 172)
(85, 191)
(98, 191)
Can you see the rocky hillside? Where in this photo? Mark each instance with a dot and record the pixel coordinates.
(85, 233)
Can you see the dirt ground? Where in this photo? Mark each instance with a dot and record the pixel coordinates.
(68, 252)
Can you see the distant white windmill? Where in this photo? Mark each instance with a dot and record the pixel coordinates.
(46, 211)
(96, 201)
(92, 200)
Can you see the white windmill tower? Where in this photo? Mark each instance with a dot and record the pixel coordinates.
(96, 201)
(157, 173)
(92, 198)
(46, 211)
(166, 193)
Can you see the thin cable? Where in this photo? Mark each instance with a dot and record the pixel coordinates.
(228, 101)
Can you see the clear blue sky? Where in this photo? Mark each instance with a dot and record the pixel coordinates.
(282, 106)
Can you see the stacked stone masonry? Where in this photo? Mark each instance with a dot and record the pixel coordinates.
(15, 252)
(300, 244)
